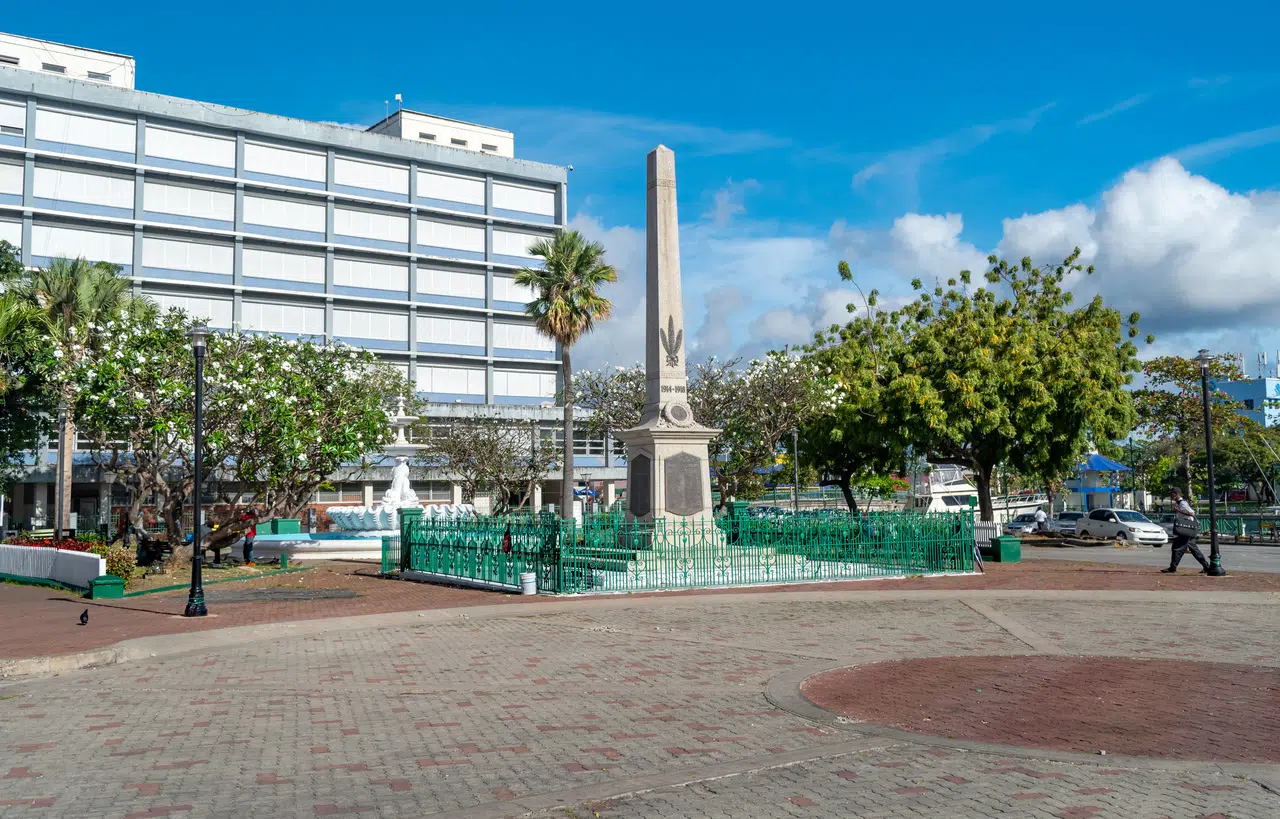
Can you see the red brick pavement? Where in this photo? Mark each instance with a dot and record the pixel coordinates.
(1160, 708)
(40, 621)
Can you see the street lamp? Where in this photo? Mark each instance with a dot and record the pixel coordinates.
(199, 335)
(1215, 557)
(61, 491)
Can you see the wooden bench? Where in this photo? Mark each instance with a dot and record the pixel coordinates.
(41, 534)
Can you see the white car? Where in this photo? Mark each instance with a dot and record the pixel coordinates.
(1065, 522)
(1121, 524)
(1021, 525)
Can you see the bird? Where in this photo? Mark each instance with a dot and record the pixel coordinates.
(84, 617)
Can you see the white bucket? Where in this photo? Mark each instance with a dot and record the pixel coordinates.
(528, 582)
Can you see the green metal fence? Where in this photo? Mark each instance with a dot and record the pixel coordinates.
(607, 554)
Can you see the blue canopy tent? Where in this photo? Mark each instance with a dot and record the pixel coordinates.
(1097, 484)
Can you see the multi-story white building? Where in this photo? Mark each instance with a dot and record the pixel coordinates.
(395, 239)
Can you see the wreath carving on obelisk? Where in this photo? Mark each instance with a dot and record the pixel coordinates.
(671, 341)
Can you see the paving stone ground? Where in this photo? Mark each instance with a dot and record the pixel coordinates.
(41, 621)
(519, 709)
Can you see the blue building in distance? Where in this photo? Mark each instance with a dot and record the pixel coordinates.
(1260, 396)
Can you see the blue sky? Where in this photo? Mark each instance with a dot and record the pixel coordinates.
(900, 137)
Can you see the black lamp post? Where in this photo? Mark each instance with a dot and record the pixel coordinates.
(199, 336)
(1215, 556)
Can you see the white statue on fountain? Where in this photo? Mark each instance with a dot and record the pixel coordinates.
(385, 517)
(400, 494)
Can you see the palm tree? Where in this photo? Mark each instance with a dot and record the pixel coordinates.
(72, 299)
(566, 307)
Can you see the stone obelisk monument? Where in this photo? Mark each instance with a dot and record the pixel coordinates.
(667, 475)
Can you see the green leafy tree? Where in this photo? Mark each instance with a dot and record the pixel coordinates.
(73, 299)
(755, 410)
(1010, 374)
(24, 404)
(566, 306)
(1171, 407)
(854, 446)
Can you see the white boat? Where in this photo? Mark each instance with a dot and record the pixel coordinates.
(951, 489)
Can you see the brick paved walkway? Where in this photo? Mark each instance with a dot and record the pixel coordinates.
(40, 621)
(515, 709)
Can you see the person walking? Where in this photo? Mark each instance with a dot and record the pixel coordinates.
(249, 534)
(1184, 525)
(1041, 518)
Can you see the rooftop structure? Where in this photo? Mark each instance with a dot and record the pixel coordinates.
(68, 61)
(453, 133)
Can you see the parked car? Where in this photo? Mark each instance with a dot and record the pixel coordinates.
(1121, 524)
(1065, 522)
(1021, 525)
(1165, 522)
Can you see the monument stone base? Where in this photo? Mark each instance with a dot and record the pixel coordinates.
(667, 473)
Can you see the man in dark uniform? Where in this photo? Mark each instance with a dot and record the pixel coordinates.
(1183, 543)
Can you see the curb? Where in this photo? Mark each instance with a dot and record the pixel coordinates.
(172, 645)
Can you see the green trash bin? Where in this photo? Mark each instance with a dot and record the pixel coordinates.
(1004, 549)
(106, 587)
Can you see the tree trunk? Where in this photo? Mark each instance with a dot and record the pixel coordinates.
(566, 492)
(847, 490)
(1184, 474)
(64, 470)
(982, 480)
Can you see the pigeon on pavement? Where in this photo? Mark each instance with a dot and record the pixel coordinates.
(84, 617)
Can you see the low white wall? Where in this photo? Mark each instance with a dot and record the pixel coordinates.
(73, 568)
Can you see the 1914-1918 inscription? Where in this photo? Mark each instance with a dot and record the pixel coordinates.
(683, 479)
(640, 486)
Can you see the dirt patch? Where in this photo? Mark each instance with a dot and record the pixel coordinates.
(1158, 708)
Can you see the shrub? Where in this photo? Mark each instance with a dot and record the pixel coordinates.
(121, 562)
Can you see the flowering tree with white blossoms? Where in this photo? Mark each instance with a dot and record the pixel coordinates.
(280, 416)
(134, 400)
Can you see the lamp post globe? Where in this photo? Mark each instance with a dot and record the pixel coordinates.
(199, 336)
(1215, 555)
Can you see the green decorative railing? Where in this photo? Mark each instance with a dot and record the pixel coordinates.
(607, 554)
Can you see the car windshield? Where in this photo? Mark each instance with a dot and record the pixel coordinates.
(1131, 517)
(1024, 518)
(1071, 516)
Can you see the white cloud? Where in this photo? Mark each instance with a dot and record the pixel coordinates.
(729, 201)
(904, 165)
(1119, 107)
(1199, 262)
(1227, 145)
(931, 246)
(1050, 236)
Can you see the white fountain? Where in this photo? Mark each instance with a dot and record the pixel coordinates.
(363, 527)
(384, 519)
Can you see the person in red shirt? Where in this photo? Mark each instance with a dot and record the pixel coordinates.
(249, 534)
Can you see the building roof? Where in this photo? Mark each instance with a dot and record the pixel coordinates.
(1101, 463)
